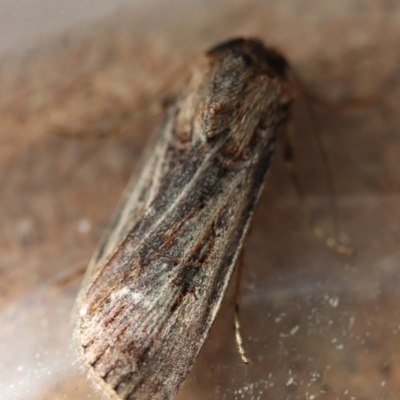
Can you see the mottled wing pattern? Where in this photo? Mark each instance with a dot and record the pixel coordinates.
(156, 283)
(135, 199)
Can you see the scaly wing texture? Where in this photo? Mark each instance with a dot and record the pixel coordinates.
(171, 275)
(156, 283)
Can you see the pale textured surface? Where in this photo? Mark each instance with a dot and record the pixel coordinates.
(314, 323)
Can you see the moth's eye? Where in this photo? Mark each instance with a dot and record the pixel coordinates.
(277, 63)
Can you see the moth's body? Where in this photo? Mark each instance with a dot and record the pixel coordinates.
(155, 284)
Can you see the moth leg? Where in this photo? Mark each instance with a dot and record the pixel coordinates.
(128, 124)
(336, 105)
(72, 274)
(236, 323)
(318, 232)
(146, 107)
(123, 124)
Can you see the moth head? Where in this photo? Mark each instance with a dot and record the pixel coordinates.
(252, 52)
(233, 88)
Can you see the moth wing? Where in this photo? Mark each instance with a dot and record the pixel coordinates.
(134, 200)
(146, 307)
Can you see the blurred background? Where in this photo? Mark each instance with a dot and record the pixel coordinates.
(81, 90)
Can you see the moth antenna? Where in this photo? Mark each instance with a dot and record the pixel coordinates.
(238, 337)
(324, 157)
(236, 322)
(152, 107)
(318, 232)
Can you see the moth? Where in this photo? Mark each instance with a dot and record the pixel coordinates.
(156, 281)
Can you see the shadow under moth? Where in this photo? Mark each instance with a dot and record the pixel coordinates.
(156, 281)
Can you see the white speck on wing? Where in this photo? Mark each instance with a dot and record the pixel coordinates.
(135, 297)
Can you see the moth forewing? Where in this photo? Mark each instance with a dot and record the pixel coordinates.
(155, 285)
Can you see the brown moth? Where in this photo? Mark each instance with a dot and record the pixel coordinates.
(156, 281)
